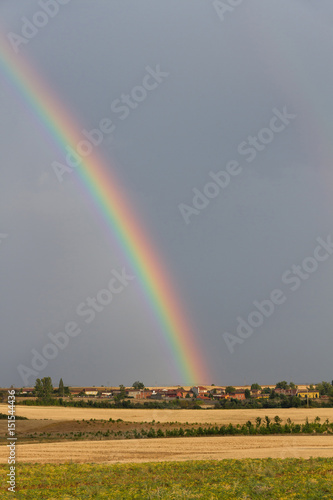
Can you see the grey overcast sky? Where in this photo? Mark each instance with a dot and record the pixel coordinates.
(251, 85)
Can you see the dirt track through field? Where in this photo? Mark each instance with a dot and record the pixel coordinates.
(297, 415)
(175, 449)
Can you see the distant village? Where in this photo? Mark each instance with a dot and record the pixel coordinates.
(201, 393)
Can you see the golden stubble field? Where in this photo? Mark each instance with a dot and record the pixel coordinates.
(219, 417)
(171, 449)
(174, 449)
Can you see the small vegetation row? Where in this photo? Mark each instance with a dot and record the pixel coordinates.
(145, 430)
(162, 405)
(262, 426)
(231, 404)
(275, 402)
(3, 416)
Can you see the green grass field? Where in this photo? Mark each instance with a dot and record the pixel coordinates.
(206, 480)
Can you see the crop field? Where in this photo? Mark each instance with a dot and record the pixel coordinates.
(113, 441)
(78, 453)
(297, 415)
(124, 437)
(173, 449)
(207, 480)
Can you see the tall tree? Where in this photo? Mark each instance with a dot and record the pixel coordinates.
(122, 394)
(282, 385)
(39, 388)
(48, 387)
(44, 388)
(325, 388)
(138, 385)
(61, 389)
(230, 389)
(266, 390)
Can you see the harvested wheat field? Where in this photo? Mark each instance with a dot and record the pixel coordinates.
(297, 415)
(180, 449)
(56, 419)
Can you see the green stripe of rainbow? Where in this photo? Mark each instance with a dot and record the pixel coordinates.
(103, 189)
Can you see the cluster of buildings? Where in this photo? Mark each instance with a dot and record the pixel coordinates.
(302, 393)
(164, 393)
(198, 392)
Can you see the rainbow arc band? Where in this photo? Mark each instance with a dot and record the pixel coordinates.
(101, 185)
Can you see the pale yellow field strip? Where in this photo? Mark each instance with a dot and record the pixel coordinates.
(177, 449)
(297, 415)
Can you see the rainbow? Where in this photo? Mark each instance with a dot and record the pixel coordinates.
(102, 187)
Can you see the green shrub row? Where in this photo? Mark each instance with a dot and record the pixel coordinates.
(264, 427)
(3, 416)
(286, 402)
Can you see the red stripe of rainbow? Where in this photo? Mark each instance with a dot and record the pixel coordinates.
(103, 188)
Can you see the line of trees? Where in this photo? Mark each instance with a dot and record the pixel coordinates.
(45, 392)
(261, 426)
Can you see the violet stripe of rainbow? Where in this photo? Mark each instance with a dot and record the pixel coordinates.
(102, 187)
